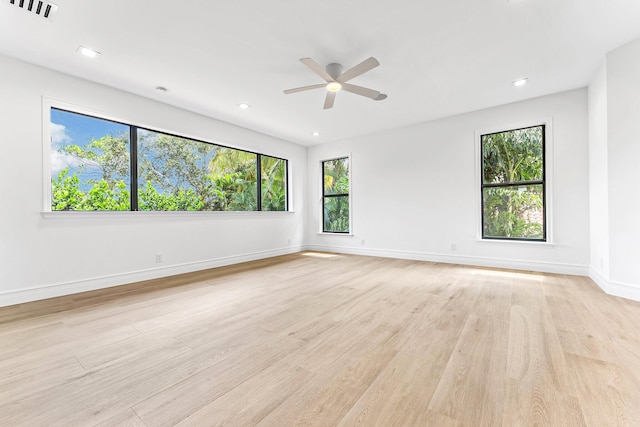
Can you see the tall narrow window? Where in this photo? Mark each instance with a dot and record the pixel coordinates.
(273, 183)
(90, 166)
(335, 195)
(513, 184)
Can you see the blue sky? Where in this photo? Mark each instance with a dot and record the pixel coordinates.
(71, 128)
(81, 128)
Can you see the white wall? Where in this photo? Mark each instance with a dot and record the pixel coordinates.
(415, 193)
(614, 150)
(623, 147)
(58, 254)
(598, 174)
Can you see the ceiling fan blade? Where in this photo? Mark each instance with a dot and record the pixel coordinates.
(359, 90)
(316, 68)
(361, 68)
(303, 88)
(328, 101)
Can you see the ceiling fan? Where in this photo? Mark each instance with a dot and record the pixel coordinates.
(336, 80)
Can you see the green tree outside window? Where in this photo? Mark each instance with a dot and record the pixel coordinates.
(335, 192)
(173, 173)
(513, 184)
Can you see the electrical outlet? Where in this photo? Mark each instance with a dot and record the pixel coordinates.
(158, 258)
(453, 247)
(288, 241)
(362, 242)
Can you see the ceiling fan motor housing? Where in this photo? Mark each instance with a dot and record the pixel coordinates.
(334, 70)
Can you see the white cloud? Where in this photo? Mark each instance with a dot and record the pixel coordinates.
(60, 160)
(58, 135)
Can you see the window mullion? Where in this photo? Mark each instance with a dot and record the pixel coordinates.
(513, 184)
(259, 182)
(133, 155)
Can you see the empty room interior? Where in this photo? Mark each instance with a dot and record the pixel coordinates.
(285, 213)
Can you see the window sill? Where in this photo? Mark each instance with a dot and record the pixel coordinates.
(156, 214)
(522, 242)
(327, 233)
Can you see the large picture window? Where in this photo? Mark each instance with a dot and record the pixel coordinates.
(513, 184)
(335, 195)
(101, 165)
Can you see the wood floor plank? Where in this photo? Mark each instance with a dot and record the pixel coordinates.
(40, 377)
(127, 418)
(608, 396)
(471, 389)
(253, 400)
(537, 391)
(177, 402)
(494, 299)
(326, 401)
(18, 362)
(99, 394)
(401, 393)
(124, 351)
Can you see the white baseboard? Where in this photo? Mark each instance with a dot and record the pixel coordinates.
(619, 289)
(540, 266)
(67, 288)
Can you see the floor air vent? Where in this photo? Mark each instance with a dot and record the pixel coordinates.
(41, 8)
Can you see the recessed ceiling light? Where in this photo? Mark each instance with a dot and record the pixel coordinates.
(161, 89)
(334, 86)
(316, 133)
(244, 106)
(520, 82)
(89, 53)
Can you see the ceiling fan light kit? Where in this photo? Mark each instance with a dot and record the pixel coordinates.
(334, 86)
(336, 80)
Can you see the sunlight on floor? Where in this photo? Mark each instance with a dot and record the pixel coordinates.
(528, 275)
(319, 254)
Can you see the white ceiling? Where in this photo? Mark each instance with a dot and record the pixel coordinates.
(438, 58)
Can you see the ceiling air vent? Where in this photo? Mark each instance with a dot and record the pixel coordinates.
(41, 8)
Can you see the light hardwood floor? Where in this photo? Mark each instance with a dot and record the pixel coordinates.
(321, 339)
